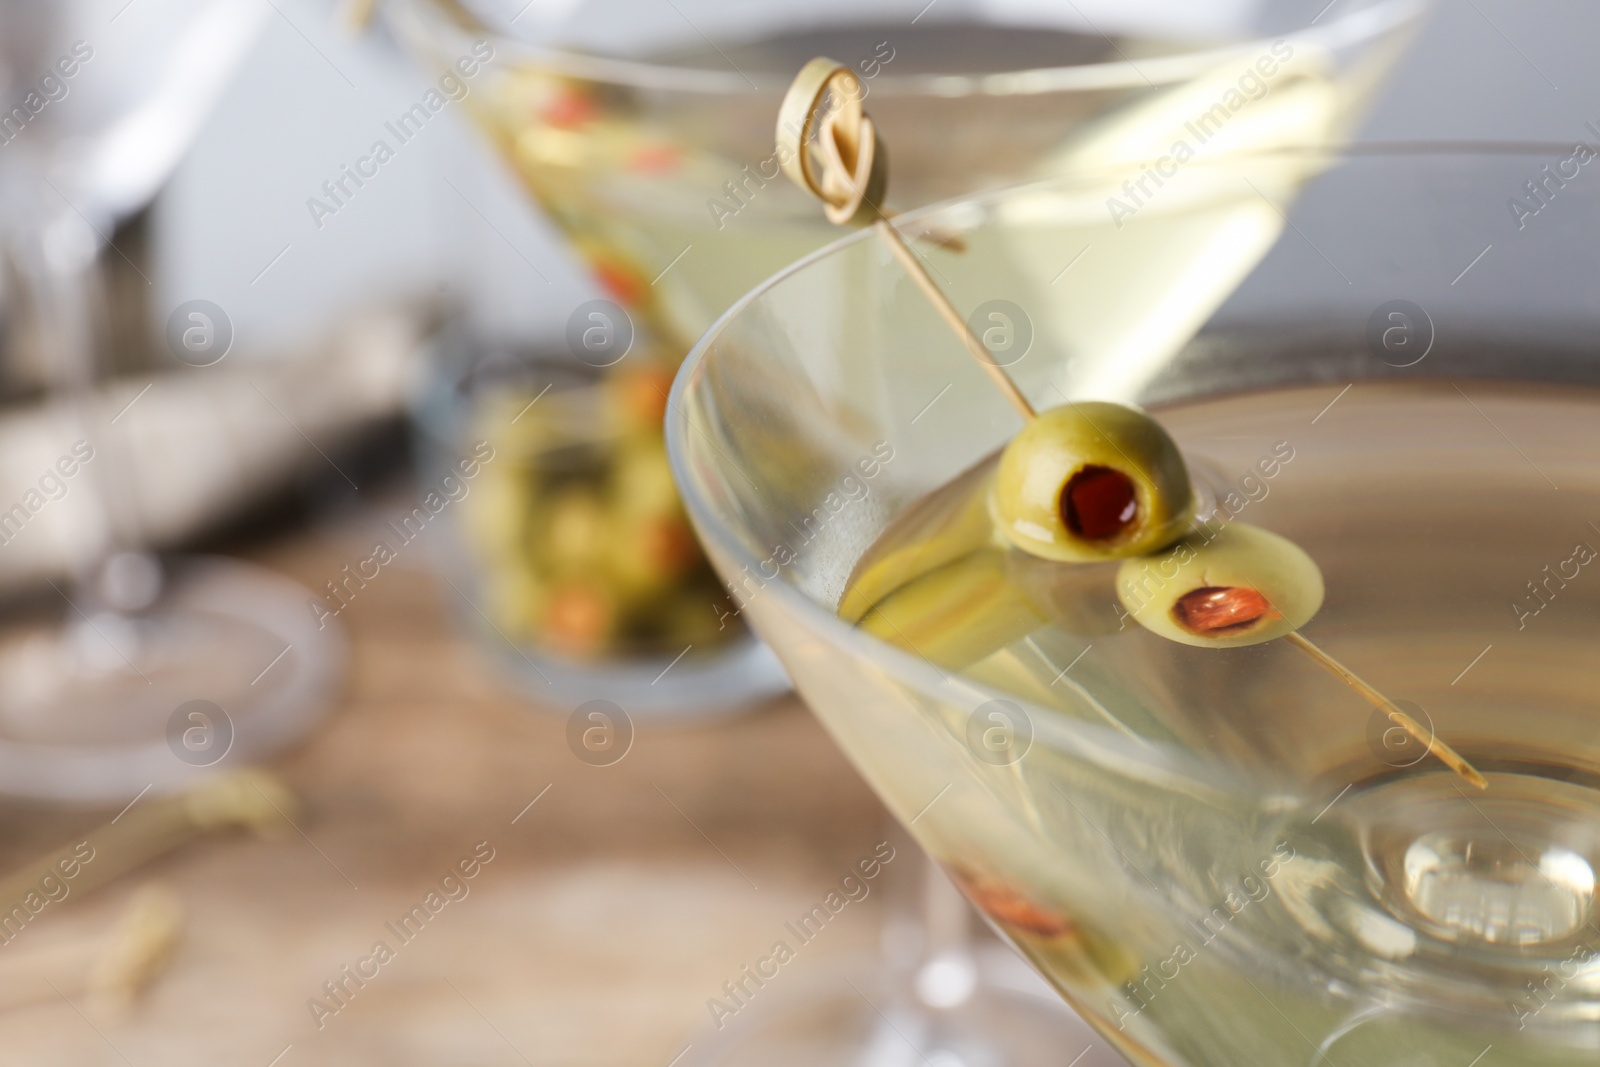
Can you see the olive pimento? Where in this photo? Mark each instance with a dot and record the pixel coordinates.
(1010, 908)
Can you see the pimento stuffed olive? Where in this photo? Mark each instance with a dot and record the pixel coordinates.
(1092, 481)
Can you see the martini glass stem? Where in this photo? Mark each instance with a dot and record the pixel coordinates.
(61, 254)
(948, 973)
(58, 251)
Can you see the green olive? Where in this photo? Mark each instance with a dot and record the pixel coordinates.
(1090, 481)
(641, 479)
(1240, 585)
(577, 531)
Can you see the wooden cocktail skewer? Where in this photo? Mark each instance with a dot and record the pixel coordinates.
(851, 183)
(356, 15)
(1447, 755)
(112, 966)
(247, 799)
(908, 260)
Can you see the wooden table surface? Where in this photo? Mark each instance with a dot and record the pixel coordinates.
(611, 911)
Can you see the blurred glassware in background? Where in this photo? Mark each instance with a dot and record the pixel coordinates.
(952, 1001)
(646, 135)
(153, 673)
(579, 513)
(1222, 856)
(139, 88)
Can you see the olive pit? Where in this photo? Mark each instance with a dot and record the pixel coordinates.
(1099, 503)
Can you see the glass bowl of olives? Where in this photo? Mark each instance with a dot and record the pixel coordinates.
(566, 547)
(1245, 683)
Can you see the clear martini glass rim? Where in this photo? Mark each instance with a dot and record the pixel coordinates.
(1100, 744)
(1367, 22)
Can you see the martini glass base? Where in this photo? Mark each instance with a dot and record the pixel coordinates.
(227, 667)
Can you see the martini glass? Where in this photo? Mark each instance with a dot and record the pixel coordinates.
(147, 673)
(645, 133)
(1223, 856)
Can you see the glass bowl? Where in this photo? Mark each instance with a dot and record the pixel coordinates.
(567, 550)
(1223, 856)
(647, 136)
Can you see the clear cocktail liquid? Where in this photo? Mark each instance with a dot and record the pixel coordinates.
(1334, 894)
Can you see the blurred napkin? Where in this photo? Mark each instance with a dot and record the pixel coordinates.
(163, 458)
